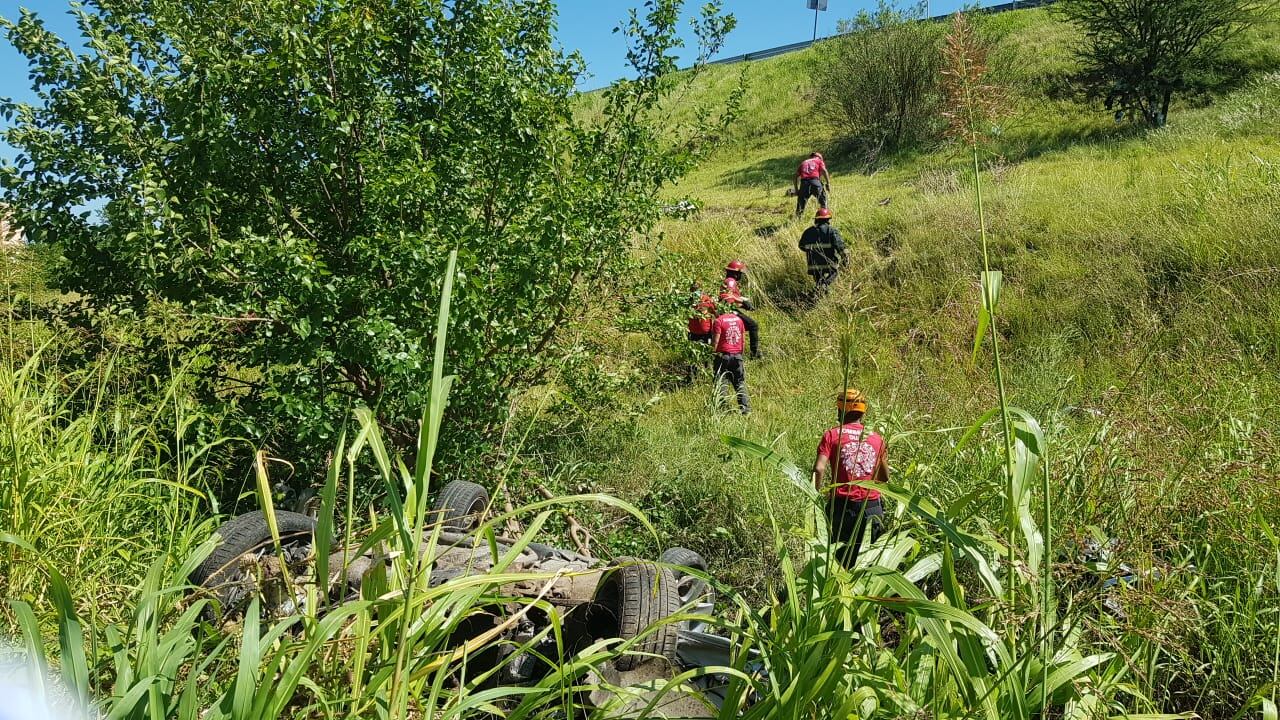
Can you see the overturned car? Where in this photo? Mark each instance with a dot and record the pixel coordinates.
(630, 600)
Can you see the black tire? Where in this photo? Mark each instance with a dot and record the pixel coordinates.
(248, 533)
(690, 587)
(634, 600)
(460, 505)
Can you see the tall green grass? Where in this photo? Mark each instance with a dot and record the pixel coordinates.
(402, 649)
(91, 482)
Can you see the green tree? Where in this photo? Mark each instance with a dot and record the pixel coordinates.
(1137, 54)
(879, 82)
(297, 171)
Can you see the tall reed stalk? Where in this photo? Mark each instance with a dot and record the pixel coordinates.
(972, 104)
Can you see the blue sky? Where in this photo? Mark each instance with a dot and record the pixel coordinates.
(585, 25)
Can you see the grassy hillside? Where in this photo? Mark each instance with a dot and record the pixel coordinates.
(1139, 324)
(1140, 321)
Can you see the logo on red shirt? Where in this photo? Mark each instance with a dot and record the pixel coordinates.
(858, 458)
(731, 332)
(811, 168)
(858, 450)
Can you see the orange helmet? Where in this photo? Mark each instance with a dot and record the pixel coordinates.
(851, 401)
(823, 214)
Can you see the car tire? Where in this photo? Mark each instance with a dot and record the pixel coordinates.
(460, 505)
(690, 587)
(636, 598)
(244, 534)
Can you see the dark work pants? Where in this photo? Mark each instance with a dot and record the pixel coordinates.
(849, 519)
(812, 187)
(704, 338)
(730, 370)
(753, 331)
(822, 279)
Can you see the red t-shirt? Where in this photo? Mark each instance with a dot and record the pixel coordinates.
(700, 325)
(811, 168)
(854, 451)
(731, 333)
(701, 322)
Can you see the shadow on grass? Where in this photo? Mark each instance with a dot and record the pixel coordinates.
(789, 292)
(767, 231)
(1028, 144)
(771, 172)
(781, 171)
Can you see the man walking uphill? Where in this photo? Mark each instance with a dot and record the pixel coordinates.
(824, 250)
(726, 361)
(859, 456)
(730, 293)
(812, 179)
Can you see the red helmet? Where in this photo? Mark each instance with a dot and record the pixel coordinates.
(736, 266)
(823, 214)
(730, 286)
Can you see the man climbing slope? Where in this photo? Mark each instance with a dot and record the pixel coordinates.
(824, 250)
(727, 366)
(731, 293)
(812, 179)
(859, 456)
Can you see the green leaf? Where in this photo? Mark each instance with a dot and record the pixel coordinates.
(972, 546)
(242, 689)
(34, 645)
(1028, 448)
(16, 541)
(991, 283)
(75, 669)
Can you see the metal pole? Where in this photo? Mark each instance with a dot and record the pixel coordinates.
(815, 22)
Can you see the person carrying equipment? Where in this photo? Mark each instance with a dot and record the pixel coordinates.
(859, 456)
(704, 315)
(809, 181)
(730, 294)
(727, 365)
(824, 250)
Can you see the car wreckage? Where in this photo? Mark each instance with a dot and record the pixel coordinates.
(598, 600)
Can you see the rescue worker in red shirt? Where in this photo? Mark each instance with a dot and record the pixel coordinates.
(727, 366)
(704, 315)
(731, 293)
(812, 179)
(858, 455)
(824, 251)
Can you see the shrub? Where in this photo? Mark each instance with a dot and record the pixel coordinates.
(294, 172)
(1137, 55)
(879, 84)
